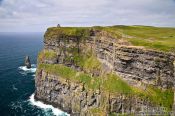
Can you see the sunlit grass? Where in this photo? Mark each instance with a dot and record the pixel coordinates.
(157, 38)
(110, 83)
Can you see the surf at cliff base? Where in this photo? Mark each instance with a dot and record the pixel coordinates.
(28, 70)
(40, 104)
(57, 112)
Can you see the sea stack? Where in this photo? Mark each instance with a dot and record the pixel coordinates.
(27, 62)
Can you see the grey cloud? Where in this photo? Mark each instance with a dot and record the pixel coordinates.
(39, 14)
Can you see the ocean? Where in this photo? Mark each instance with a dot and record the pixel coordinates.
(17, 83)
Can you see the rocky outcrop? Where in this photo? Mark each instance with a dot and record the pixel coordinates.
(27, 62)
(135, 65)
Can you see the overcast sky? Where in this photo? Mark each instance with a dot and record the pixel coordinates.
(37, 15)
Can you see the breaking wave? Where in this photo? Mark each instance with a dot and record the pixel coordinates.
(24, 70)
(40, 104)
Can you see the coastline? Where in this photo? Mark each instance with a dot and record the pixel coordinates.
(45, 105)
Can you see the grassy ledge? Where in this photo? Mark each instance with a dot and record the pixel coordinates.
(47, 54)
(110, 83)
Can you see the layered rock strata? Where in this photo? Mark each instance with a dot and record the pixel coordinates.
(135, 65)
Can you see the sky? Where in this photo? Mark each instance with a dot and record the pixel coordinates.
(38, 15)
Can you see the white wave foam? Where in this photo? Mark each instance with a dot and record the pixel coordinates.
(40, 104)
(28, 70)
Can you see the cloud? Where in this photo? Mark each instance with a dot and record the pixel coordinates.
(37, 15)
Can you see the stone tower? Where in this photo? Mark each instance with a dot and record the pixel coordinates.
(58, 25)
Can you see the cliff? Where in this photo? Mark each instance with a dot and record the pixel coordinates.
(100, 71)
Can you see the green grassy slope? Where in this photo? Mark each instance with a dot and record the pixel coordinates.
(158, 38)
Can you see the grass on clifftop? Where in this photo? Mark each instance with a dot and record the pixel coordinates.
(158, 38)
(64, 32)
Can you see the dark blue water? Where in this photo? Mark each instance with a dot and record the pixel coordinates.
(16, 85)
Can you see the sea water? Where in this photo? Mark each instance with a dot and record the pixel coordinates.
(17, 83)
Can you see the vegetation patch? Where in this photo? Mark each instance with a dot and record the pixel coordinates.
(158, 38)
(157, 96)
(67, 32)
(70, 74)
(47, 54)
(60, 70)
(111, 83)
(87, 61)
(92, 64)
(97, 112)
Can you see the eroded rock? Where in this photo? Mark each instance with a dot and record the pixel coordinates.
(27, 62)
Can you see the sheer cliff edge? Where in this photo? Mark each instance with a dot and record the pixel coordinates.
(107, 70)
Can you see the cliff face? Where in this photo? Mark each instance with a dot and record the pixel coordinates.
(76, 100)
(130, 62)
(106, 54)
